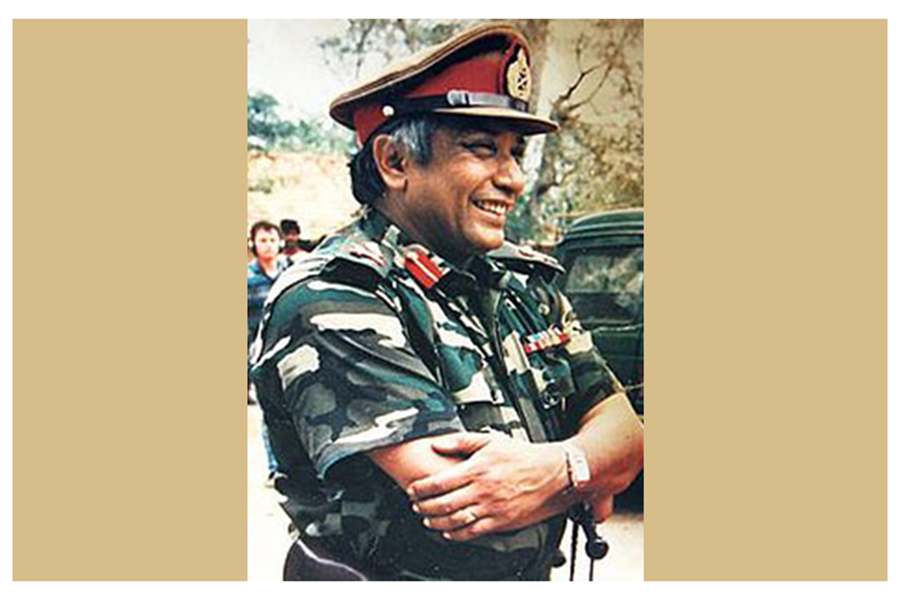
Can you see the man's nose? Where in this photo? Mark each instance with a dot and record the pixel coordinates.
(511, 177)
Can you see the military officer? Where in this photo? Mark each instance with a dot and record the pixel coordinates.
(433, 401)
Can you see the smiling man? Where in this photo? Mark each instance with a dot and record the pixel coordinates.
(434, 404)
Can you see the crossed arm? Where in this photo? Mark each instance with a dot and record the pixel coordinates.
(471, 484)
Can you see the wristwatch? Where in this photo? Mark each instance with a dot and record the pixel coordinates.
(578, 467)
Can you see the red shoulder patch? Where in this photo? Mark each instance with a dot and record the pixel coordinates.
(423, 268)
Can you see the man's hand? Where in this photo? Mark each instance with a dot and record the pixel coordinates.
(602, 504)
(504, 484)
(470, 484)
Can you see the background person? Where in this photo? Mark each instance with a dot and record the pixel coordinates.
(290, 229)
(265, 244)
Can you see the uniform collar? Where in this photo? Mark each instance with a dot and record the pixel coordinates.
(426, 266)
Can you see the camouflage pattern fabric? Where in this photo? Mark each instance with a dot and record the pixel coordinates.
(371, 341)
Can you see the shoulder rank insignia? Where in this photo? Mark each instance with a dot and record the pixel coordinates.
(345, 257)
(367, 250)
(423, 267)
(541, 340)
(512, 252)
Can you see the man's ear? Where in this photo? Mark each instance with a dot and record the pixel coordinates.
(392, 161)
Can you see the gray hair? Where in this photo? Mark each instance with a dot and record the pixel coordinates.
(414, 133)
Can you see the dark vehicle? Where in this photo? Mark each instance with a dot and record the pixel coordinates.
(604, 259)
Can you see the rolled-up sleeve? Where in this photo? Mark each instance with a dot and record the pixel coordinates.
(593, 379)
(348, 376)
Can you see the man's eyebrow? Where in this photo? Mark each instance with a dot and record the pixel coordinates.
(520, 139)
(468, 132)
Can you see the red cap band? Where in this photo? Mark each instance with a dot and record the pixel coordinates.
(483, 73)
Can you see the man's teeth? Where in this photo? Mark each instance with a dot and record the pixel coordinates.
(497, 208)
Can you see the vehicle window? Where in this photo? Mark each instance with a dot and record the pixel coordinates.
(606, 285)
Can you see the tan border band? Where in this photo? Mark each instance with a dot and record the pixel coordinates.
(766, 307)
(766, 204)
(129, 212)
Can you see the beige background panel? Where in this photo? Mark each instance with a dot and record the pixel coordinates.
(765, 140)
(766, 163)
(129, 212)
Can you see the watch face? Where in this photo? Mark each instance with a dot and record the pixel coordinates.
(579, 469)
(581, 473)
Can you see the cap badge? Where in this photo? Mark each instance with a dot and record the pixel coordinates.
(518, 77)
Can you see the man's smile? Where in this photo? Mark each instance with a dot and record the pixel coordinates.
(499, 208)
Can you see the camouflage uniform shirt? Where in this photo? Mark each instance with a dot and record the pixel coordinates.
(371, 341)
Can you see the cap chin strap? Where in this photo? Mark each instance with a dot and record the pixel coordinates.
(452, 99)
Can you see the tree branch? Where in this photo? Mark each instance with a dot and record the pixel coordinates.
(597, 88)
(367, 25)
(565, 96)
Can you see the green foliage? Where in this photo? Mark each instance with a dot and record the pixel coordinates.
(268, 132)
(323, 135)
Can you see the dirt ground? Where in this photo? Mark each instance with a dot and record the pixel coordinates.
(268, 539)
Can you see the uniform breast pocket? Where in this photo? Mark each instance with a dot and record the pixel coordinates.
(554, 380)
(479, 400)
(548, 367)
(466, 374)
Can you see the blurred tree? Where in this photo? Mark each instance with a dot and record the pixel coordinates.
(266, 131)
(596, 161)
(323, 135)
